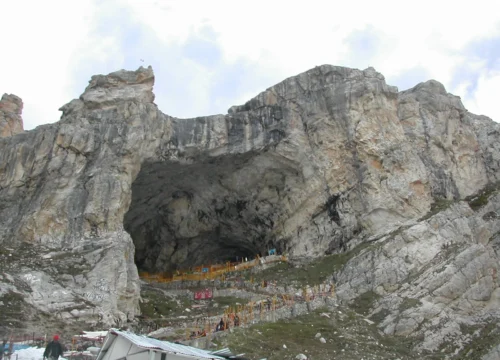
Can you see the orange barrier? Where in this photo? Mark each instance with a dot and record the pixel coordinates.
(216, 271)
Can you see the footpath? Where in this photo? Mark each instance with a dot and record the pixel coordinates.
(267, 303)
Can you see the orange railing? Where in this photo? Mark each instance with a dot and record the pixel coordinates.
(216, 271)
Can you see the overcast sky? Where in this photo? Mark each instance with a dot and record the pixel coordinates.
(211, 54)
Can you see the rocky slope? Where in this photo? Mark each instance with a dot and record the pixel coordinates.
(434, 279)
(314, 165)
(11, 122)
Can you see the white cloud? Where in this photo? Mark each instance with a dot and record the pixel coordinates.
(56, 41)
(38, 40)
(287, 39)
(197, 82)
(485, 98)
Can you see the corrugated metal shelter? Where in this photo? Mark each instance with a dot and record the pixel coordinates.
(124, 345)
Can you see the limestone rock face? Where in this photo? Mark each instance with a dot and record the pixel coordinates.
(322, 158)
(11, 122)
(434, 278)
(440, 129)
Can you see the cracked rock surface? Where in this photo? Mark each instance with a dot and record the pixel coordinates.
(324, 157)
(434, 278)
(11, 122)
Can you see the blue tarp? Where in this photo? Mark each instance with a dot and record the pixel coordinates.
(17, 347)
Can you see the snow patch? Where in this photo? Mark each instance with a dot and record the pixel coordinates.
(32, 353)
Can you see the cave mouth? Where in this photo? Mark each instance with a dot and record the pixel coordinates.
(207, 212)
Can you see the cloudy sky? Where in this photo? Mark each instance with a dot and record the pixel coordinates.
(211, 54)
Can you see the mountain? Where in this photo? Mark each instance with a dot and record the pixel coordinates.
(332, 160)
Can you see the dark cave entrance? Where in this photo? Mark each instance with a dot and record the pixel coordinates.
(207, 212)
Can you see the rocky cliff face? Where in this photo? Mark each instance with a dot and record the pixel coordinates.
(11, 122)
(435, 278)
(313, 165)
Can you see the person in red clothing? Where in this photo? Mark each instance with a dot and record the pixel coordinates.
(53, 349)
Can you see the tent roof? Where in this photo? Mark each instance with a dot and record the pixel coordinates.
(154, 344)
(92, 335)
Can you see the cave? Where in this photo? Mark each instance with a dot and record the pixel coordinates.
(209, 211)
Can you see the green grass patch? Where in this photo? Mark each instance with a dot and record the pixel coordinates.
(364, 302)
(311, 274)
(271, 273)
(156, 305)
(12, 300)
(347, 336)
(408, 303)
(436, 207)
(13, 309)
(380, 316)
(230, 301)
(488, 338)
(479, 200)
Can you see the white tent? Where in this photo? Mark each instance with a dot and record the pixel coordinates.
(124, 345)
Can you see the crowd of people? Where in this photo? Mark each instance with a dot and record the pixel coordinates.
(232, 319)
(222, 325)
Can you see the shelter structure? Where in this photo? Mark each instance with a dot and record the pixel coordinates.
(124, 345)
(92, 335)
